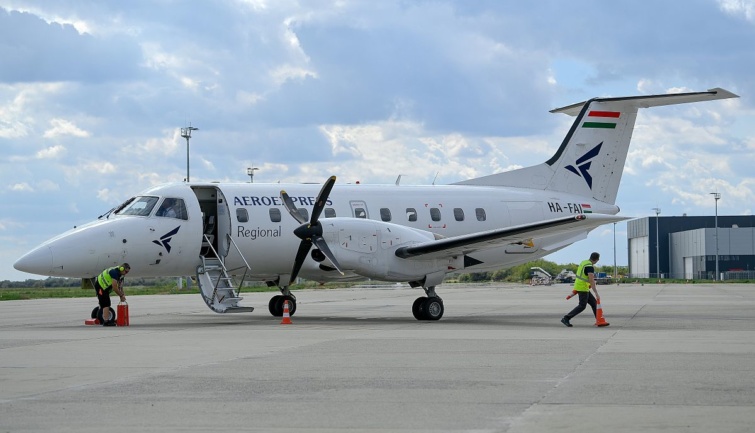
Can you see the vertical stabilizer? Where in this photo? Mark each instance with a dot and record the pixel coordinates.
(590, 160)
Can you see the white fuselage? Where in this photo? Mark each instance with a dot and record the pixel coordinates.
(254, 218)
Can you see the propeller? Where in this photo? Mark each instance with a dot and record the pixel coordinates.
(310, 232)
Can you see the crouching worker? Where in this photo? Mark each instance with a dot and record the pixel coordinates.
(110, 279)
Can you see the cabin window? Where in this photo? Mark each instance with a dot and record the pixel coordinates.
(172, 208)
(411, 214)
(304, 213)
(458, 214)
(385, 214)
(275, 215)
(360, 212)
(330, 212)
(141, 206)
(242, 215)
(435, 214)
(480, 213)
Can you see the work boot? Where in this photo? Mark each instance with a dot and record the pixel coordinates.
(566, 322)
(109, 323)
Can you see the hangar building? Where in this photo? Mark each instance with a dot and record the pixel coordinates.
(687, 247)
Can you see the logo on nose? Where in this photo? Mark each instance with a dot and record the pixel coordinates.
(165, 239)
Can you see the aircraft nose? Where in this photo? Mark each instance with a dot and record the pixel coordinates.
(36, 261)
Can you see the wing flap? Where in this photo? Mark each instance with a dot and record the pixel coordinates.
(465, 244)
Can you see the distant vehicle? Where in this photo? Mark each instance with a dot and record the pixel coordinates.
(603, 278)
(565, 276)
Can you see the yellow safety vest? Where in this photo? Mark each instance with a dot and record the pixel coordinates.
(582, 282)
(104, 279)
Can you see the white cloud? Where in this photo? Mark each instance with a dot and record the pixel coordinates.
(744, 8)
(51, 152)
(64, 127)
(21, 187)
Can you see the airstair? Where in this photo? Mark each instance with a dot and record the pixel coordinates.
(217, 286)
(540, 277)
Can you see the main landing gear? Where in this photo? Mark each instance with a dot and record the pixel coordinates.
(276, 303)
(428, 308)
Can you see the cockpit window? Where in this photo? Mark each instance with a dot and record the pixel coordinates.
(140, 206)
(124, 204)
(172, 208)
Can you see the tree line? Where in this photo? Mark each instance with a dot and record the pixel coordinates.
(523, 272)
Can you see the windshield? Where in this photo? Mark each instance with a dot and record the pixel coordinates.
(141, 206)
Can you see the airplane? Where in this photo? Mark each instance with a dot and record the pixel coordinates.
(223, 233)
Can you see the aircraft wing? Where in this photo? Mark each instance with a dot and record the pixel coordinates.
(465, 244)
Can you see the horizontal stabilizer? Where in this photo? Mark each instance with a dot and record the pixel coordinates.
(653, 100)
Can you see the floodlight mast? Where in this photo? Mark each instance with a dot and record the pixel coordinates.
(657, 245)
(186, 133)
(250, 172)
(717, 197)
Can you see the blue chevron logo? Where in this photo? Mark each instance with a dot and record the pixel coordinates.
(165, 239)
(583, 164)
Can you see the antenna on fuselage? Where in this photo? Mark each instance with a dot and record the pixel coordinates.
(436, 176)
(398, 179)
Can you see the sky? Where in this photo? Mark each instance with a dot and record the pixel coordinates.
(93, 95)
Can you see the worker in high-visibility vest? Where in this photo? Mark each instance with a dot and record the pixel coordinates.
(110, 279)
(584, 281)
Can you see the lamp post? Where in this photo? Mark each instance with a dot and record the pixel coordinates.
(186, 133)
(615, 270)
(716, 197)
(657, 245)
(250, 172)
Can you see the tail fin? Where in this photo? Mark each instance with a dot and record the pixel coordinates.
(591, 158)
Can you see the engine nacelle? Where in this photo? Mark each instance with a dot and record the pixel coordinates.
(368, 248)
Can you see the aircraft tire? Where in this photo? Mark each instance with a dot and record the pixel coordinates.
(276, 305)
(95, 312)
(274, 302)
(99, 315)
(432, 309)
(416, 307)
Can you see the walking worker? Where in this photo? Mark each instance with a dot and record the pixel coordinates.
(584, 281)
(110, 279)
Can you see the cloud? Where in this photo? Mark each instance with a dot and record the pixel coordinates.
(51, 152)
(64, 127)
(744, 8)
(22, 187)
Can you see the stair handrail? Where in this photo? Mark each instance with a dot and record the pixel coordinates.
(225, 270)
(248, 268)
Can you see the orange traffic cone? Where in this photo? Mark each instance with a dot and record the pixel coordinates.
(573, 292)
(286, 316)
(599, 319)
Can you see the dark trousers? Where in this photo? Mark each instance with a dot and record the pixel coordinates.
(584, 299)
(103, 295)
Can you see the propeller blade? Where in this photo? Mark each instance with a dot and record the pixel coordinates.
(304, 247)
(323, 246)
(291, 207)
(312, 231)
(322, 198)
